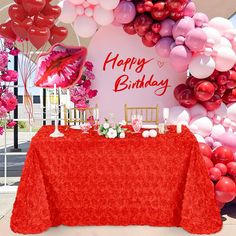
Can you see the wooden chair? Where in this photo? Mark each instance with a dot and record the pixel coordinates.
(149, 114)
(75, 115)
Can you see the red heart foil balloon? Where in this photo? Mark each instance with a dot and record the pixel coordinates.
(6, 31)
(41, 20)
(58, 34)
(50, 10)
(21, 28)
(33, 7)
(61, 65)
(17, 12)
(38, 36)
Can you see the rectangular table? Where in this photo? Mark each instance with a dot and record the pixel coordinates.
(86, 179)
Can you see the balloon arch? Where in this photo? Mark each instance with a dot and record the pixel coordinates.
(176, 31)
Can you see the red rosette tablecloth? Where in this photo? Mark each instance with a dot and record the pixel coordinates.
(90, 180)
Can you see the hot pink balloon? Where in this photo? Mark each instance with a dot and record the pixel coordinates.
(163, 47)
(196, 40)
(200, 19)
(190, 9)
(166, 27)
(180, 57)
(125, 12)
(183, 26)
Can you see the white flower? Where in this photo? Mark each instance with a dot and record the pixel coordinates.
(106, 125)
(122, 135)
(153, 133)
(112, 133)
(123, 123)
(146, 134)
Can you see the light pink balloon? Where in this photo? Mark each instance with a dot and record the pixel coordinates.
(213, 36)
(76, 2)
(221, 24)
(180, 57)
(198, 110)
(166, 27)
(228, 139)
(209, 141)
(163, 47)
(204, 125)
(232, 112)
(179, 114)
(225, 59)
(102, 16)
(183, 26)
(68, 12)
(125, 12)
(217, 131)
(201, 66)
(221, 111)
(190, 9)
(196, 40)
(200, 19)
(180, 40)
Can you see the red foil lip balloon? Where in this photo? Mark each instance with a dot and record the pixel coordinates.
(61, 65)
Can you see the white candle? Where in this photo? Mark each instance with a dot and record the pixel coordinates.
(179, 128)
(97, 113)
(55, 92)
(60, 96)
(68, 99)
(166, 112)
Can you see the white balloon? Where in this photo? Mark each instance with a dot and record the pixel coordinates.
(88, 12)
(199, 138)
(102, 16)
(224, 42)
(80, 10)
(221, 24)
(201, 66)
(217, 130)
(179, 114)
(232, 112)
(93, 2)
(213, 35)
(204, 125)
(76, 2)
(221, 111)
(225, 59)
(68, 12)
(109, 4)
(197, 110)
(85, 26)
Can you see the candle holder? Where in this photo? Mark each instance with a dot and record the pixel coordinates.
(56, 133)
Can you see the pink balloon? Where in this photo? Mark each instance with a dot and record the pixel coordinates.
(166, 27)
(190, 9)
(163, 47)
(198, 110)
(125, 12)
(183, 26)
(180, 57)
(200, 19)
(196, 40)
(228, 139)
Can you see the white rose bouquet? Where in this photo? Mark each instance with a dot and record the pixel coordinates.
(109, 131)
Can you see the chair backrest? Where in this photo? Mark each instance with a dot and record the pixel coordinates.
(75, 115)
(149, 114)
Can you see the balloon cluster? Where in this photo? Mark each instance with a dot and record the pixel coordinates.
(87, 15)
(210, 92)
(151, 20)
(33, 20)
(221, 165)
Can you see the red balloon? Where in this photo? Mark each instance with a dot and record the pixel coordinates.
(38, 36)
(148, 43)
(222, 167)
(231, 84)
(142, 24)
(222, 79)
(129, 28)
(140, 8)
(148, 5)
(220, 204)
(222, 155)
(178, 90)
(6, 31)
(21, 28)
(176, 5)
(213, 103)
(41, 20)
(192, 81)
(50, 10)
(187, 98)
(225, 190)
(229, 96)
(58, 34)
(151, 36)
(156, 27)
(18, 1)
(159, 11)
(214, 174)
(17, 12)
(205, 150)
(176, 15)
(33, 7)
(204, 90)
(232, 75)
(232, 168)
(221, 90)
(208, 162)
